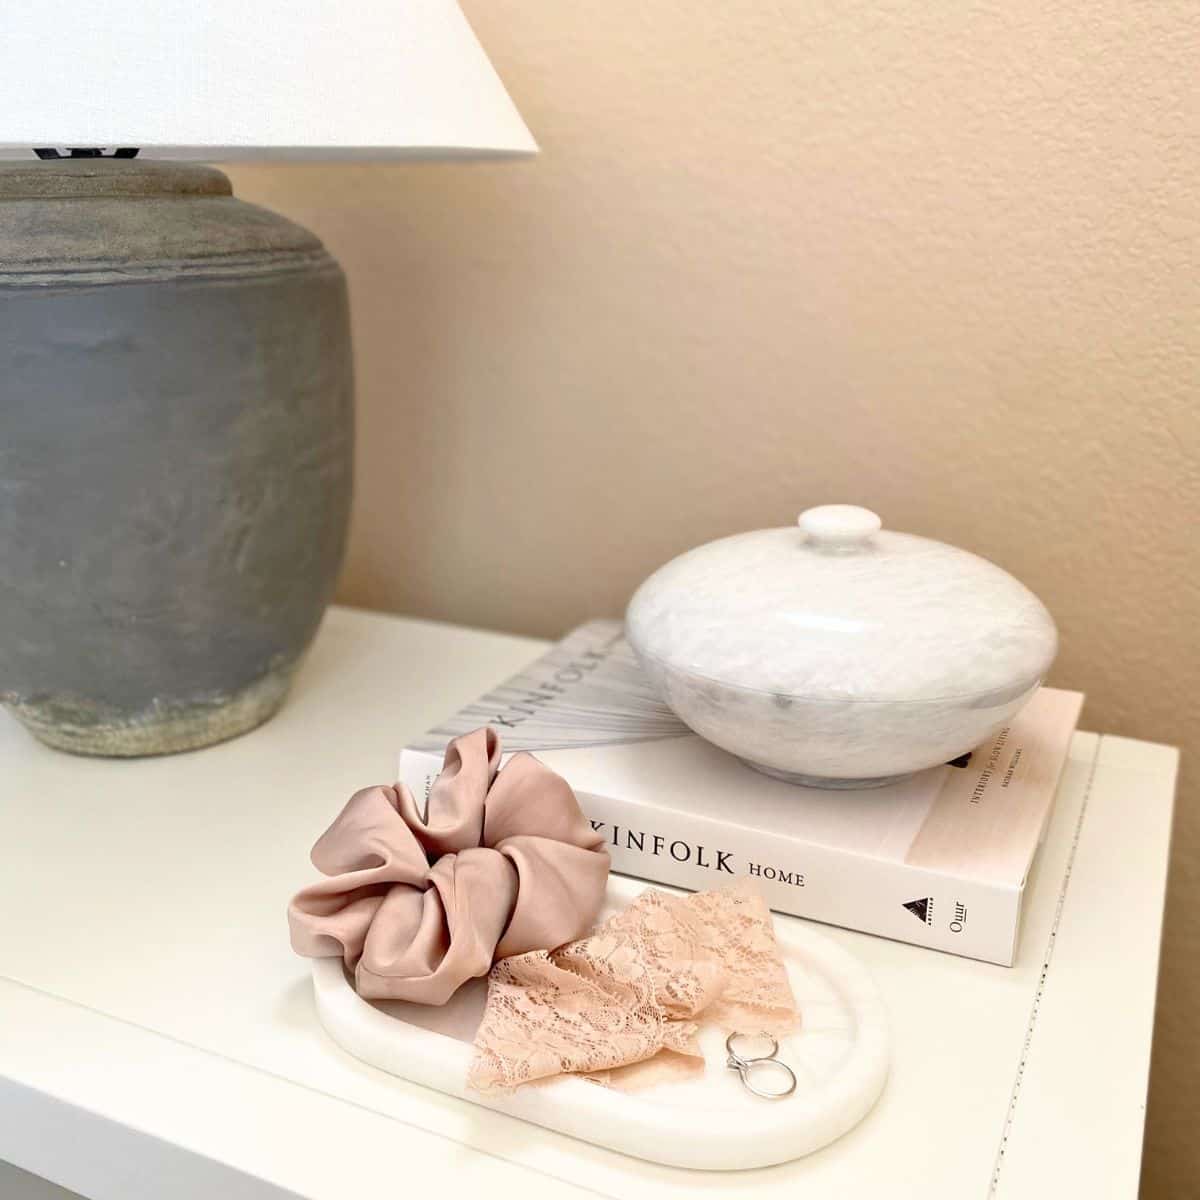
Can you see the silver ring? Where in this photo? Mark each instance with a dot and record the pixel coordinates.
(746, 1066)
(738, 1061)
(769, 1064)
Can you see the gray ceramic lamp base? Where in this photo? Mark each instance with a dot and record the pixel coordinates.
(176, 431)
(80, 727)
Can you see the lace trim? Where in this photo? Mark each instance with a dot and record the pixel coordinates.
(634, 990)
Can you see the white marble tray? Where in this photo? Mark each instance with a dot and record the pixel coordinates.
(839, 1054)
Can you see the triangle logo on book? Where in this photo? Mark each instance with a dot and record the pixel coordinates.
(922, 909)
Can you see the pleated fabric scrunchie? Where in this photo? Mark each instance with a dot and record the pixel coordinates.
(504, 862)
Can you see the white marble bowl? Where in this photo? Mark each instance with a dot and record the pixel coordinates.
(837, 654)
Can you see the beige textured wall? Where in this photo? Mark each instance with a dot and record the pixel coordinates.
(939, 258)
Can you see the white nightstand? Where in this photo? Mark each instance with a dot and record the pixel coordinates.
(157, 1038)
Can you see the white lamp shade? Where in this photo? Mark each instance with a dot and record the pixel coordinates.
(233, 79)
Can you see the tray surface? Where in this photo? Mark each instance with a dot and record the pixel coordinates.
(709, 1121)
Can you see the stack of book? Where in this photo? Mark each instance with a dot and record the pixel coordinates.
(939, 859)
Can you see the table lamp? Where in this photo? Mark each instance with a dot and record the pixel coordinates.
(176, 411)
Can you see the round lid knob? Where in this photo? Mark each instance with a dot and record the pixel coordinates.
(839, 526)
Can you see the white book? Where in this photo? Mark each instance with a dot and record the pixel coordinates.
(939, 859)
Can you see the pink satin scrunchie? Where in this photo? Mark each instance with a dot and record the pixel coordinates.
(505, 862)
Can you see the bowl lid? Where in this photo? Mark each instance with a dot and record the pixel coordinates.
(838, 608)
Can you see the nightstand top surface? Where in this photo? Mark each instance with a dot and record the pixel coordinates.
(154, 1023)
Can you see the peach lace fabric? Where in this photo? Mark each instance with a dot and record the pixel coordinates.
(504, 862)
(633, 992)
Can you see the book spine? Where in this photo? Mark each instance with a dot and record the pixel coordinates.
(803, 879)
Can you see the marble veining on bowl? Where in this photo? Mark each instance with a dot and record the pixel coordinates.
(835, 651)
